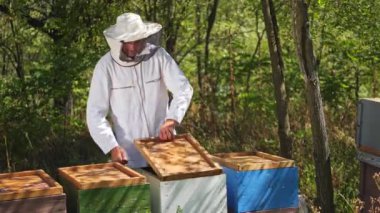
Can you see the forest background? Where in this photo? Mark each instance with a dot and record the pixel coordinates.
(48, 49)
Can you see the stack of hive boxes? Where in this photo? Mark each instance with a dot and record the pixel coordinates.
(259, 182)
(30, 191)
(183, 178)
(368, 150)
(102, 188)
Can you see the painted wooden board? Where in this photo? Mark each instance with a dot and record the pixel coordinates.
(181, 158)
(259, 182)
(45, 204)
(101, 176)
(367, 134)
(104, 188)
(245, 161)
(133, 198)
(264, 189)
(368, 158)
(27, 184)
(192, 195)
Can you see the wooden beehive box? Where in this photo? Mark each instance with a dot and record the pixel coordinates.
(183, 176)
(258, 181)
(100, 188)
(30, 191)
(368, 122)
(178, 159)
(369, 186)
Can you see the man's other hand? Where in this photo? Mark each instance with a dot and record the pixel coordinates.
(118, 154)
(167, 130)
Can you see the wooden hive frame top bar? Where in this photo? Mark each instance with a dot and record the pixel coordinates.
(243, 161)
(105, 175)
(181, 158)
(27, 184)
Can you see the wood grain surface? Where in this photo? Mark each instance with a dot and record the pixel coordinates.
(27, 184)
(101, 176)
(243, 161)
(45, 204)
(183, 157)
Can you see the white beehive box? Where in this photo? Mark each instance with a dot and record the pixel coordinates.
(183, 176)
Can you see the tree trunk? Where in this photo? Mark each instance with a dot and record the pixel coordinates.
(202, 105)
(307, 64)
(211, 93)
(357, 83)
(278, 78)
(171, 35)
(256, 53)
(210, 24)
(232, 74)
(18, 55)
(4, 69)
(375, 86)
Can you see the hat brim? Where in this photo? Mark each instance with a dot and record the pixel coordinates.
(151, 28)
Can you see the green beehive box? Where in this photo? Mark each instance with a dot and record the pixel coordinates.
(104, 188)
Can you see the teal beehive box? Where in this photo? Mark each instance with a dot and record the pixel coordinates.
(258, 181)
(104, 188)
(368, 122)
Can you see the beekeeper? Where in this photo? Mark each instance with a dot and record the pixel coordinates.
(128, 96)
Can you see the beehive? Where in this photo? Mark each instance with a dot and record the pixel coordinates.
(368, 152)
(183, 177)
(258, 181)
(30, 191)
(369, 186)
(101, 188)
(367, 134)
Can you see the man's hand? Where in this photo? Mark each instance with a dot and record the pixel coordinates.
(166, 130)
(118, 154)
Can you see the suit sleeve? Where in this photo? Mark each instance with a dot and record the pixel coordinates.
(97, 110)
(177, 83)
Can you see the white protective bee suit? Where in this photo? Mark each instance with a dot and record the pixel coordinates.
(134, 98)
